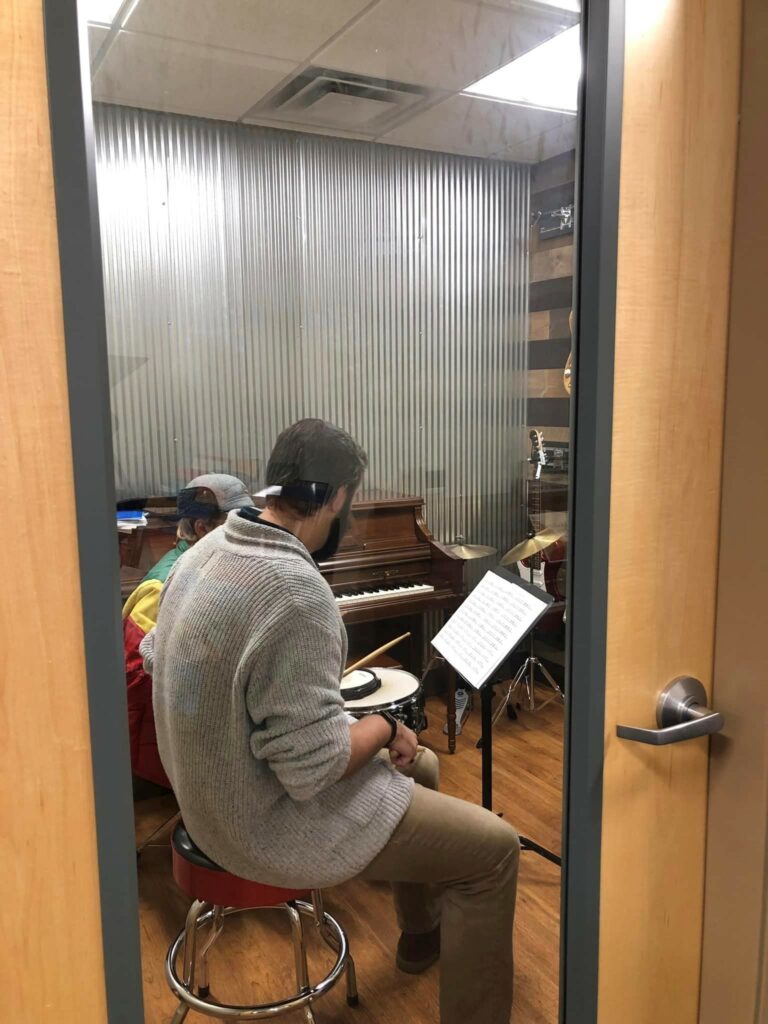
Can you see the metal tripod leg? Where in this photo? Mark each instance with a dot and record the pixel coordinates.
(550, 680)
(511, 689)
(525, 680)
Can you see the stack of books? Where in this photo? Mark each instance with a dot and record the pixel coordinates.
(127, 522)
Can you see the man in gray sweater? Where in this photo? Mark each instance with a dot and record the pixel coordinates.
(274, 781)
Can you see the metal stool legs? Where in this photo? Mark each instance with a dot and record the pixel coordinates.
(190, 955)
(300, 956)
(217, 925)
(329, 937)
(192, 987)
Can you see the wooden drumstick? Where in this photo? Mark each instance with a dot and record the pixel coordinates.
(374, 654)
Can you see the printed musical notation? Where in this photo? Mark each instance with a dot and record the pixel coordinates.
(489, 625)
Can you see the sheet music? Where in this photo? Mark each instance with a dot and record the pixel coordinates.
(489, 625)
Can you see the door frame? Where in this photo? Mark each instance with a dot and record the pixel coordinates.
(598, 167)
(597, 185)
(74, 171)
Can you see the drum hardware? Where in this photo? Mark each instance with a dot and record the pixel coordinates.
(374, 654)
(463, 703)
(462, 706)
(525, 677)
(525, 680)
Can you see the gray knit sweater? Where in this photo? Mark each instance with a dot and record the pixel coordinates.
(248, 653)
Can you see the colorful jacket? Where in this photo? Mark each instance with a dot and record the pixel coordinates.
(139, 617)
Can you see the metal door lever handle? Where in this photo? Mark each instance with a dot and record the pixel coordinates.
(681, 713)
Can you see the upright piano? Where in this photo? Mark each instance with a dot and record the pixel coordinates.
(388, 572)
(389, 564)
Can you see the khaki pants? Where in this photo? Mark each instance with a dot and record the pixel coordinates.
(455, 864)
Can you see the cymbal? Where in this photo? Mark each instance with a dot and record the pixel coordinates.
(468, 551)
(531, 546)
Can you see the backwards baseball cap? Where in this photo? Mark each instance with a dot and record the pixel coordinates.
(228, 491)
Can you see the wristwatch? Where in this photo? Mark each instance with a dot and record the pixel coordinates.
(393, 725)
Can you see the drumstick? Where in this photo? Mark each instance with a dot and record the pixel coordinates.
(374, 654)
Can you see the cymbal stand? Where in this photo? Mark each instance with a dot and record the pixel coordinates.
(523, 684)
(525, 678)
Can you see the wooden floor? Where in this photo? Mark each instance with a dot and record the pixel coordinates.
(253, 961)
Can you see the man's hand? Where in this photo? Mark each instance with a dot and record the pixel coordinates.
(403, 749)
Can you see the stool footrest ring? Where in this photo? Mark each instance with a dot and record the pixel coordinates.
(225, 1011)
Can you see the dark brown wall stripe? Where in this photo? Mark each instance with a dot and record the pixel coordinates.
(551, 294)
(557, 171)
(558, 323)
(543, 355)
(552, 198)
(548, 412)
(550, 301)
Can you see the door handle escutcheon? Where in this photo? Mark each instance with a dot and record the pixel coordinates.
(681, 713)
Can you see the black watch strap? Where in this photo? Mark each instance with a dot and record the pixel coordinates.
(393, 725)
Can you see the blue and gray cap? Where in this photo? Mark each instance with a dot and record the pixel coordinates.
(229, 492)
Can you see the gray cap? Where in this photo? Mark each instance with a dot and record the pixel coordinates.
(228, 490)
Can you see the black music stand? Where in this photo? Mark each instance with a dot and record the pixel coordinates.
(486, 709)
(478, 639)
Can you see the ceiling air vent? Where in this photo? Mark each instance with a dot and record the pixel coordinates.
(324, 98)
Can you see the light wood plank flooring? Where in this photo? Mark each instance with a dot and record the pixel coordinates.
(252, 960)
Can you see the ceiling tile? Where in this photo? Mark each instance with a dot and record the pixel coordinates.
(184, 78)
(556, 140)
(474, 127)
(288, 29)
(567, 9)
(308, 129)
(445, 44)
(96, 36)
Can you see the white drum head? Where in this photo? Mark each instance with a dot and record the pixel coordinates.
(361, 680)
(396, 685)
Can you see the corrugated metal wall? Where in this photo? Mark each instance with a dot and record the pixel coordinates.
(256, 276)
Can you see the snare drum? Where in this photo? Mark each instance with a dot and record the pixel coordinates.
(400, 694)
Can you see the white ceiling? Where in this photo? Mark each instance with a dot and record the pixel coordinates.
(230, 59)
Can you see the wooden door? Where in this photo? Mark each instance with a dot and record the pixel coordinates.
(678, 155)
(735, 963)
(52, 964)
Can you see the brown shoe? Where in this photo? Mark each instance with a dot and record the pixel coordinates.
(415, 953)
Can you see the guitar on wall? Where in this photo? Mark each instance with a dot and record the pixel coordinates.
(568, 371)
(548, 564)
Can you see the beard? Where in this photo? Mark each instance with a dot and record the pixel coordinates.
(335, 534)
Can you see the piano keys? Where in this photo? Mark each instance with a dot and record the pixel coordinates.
(384, 592)
(389, 564)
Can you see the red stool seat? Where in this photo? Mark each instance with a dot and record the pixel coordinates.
(202, 879)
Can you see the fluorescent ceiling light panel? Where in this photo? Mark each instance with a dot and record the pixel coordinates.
(100, 12)
(547, 76)
(563, 5)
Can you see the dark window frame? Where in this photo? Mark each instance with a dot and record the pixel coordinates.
(597, 188)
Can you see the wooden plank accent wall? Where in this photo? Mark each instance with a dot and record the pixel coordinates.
(551, 288)
(52, 964)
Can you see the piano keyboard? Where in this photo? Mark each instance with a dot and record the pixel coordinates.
(382, 593)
